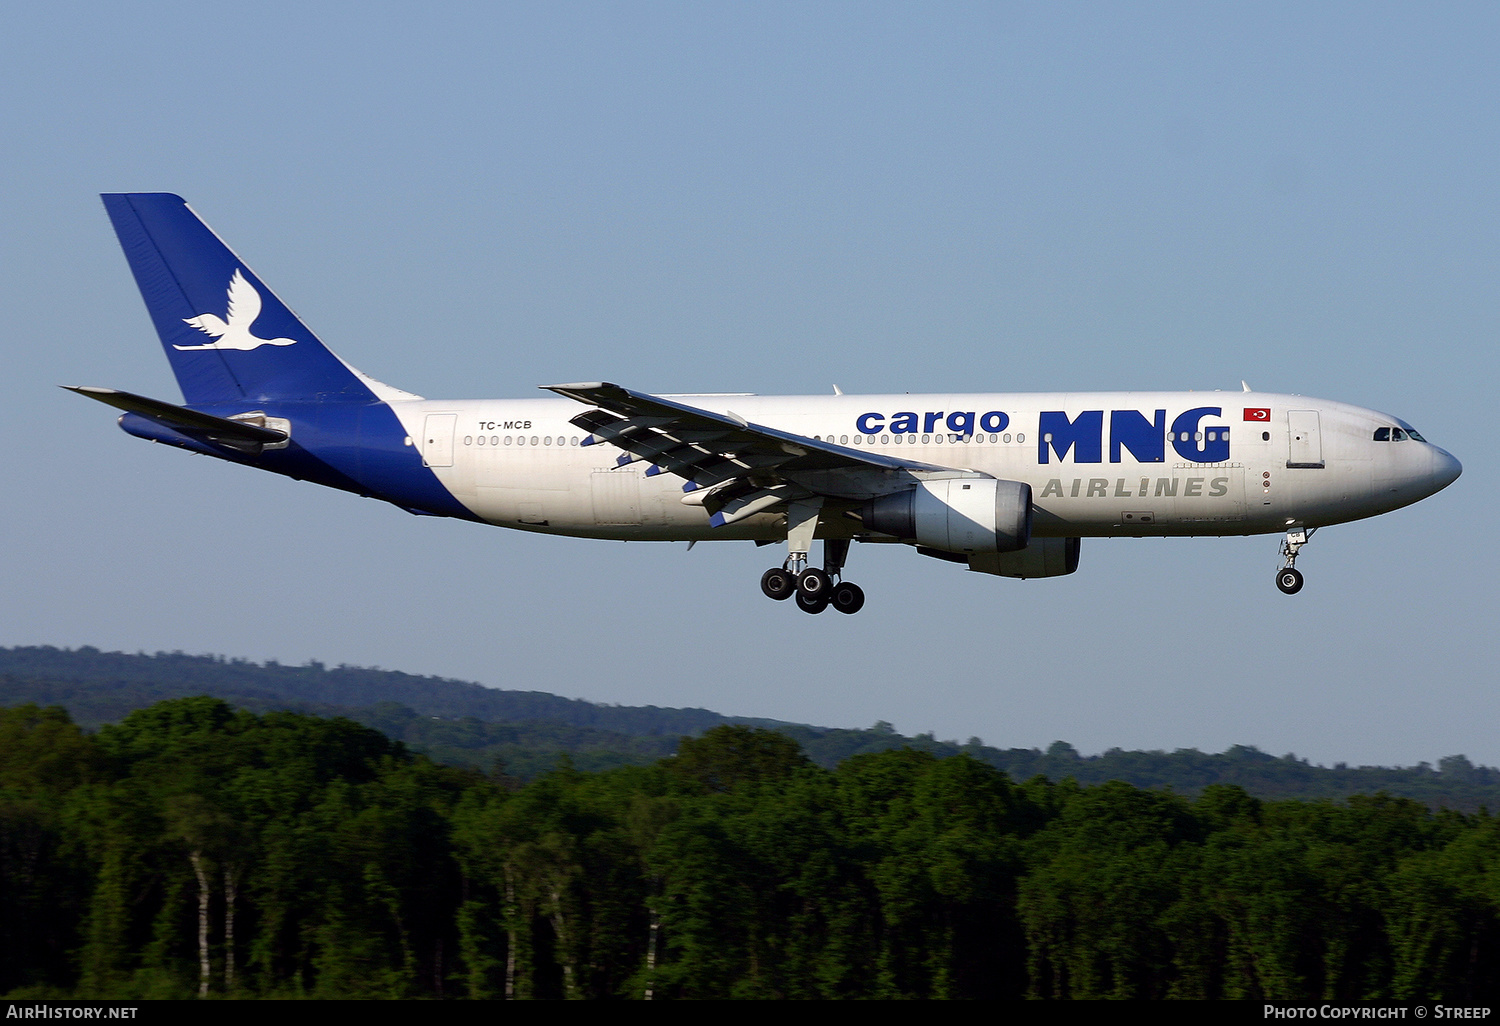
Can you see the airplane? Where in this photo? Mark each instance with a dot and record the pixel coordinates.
(1003, 483)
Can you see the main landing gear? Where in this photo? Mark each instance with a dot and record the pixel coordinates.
(1289, 578)
(814, 589)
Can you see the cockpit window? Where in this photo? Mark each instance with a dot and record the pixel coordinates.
(1397, 435)
(1411, 432)
(1383, 434)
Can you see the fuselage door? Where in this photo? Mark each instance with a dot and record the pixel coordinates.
(1304, 442)
(617, 497)
(437, 439)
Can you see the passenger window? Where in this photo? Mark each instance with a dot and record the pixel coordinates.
(1383, 434)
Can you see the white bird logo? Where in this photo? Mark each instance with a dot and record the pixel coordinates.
(244, 308)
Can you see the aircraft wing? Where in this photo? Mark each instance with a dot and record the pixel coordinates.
(740, 468)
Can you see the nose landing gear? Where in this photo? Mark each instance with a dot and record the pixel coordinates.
(1289, 578)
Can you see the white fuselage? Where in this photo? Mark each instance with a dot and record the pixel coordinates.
(1111, 465)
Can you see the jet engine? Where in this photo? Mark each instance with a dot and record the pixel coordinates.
(1044, 557)
(958, 515)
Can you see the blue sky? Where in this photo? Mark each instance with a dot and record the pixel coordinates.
(777, 197)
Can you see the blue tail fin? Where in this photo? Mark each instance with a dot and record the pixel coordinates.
(227, 336)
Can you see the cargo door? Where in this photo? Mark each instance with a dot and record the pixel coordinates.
(617, 497)
(1212, 495)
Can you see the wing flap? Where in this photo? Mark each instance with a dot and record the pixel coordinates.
(761, 501)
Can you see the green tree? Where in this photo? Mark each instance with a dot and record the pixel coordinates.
(1103, 879)
(44, 880)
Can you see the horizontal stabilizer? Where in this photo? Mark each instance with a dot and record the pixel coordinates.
(235, 434)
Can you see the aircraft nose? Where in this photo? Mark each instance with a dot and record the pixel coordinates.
(1445, 469)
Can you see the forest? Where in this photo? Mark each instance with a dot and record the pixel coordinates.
(195, 849)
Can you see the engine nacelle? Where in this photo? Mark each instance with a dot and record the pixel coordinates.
(1044, 557)
(960, 515)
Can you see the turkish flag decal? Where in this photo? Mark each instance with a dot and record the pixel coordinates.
(1264, 415)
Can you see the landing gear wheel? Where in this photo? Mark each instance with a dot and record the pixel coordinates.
(778, 584)
(848, 598)
(812, 605)
(1289, 580)
(814, 583)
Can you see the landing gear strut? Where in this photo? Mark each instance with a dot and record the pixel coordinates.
(815, 589)
(1289, 578)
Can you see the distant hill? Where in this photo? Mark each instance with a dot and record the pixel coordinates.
(526, 732)
(114, 680)
(453, 721)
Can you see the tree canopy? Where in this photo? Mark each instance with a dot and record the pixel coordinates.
(196, 849)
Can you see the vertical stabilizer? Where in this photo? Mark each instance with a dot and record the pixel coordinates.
(227, 336)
